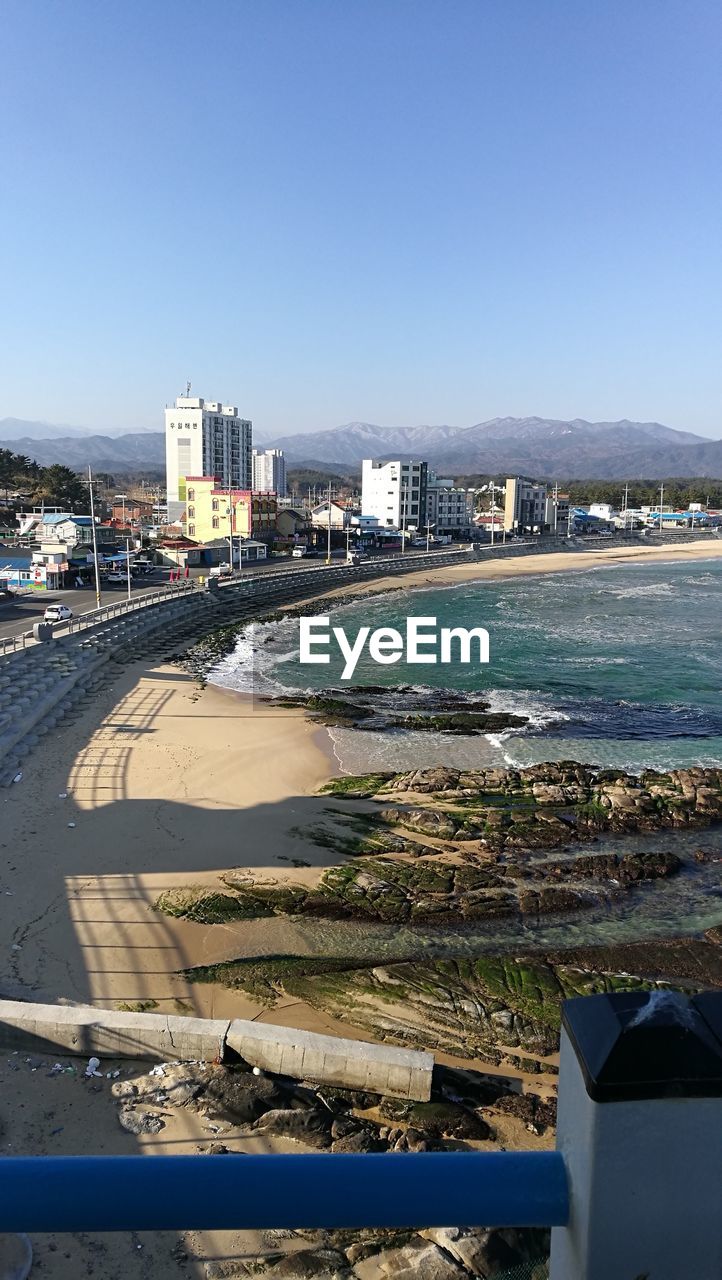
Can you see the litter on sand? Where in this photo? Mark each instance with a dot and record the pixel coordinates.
(18, 777)
(71, 824)
(92, 1068)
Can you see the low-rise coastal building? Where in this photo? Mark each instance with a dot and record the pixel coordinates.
(214, 512)
(449, 508)
(332, 513)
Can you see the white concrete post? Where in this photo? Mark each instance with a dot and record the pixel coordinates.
(640, 1129)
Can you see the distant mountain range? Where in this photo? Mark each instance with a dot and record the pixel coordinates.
(134, 451)
(546, 448)
(22, 429)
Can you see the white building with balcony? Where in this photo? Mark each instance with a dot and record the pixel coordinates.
(205, 438)
(394, 492)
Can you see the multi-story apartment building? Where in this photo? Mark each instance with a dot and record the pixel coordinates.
(213, 511)
(449, 508)
(394, 492)
(205, 438)
(524, 506)
(269, 471)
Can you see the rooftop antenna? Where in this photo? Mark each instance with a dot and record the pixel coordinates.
(188, 390)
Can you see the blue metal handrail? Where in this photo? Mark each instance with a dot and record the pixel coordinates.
(166, 1193)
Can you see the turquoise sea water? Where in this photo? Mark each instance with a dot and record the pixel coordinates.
(616, 665)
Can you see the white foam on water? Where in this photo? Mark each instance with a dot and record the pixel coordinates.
(366, 752)
(652, 589)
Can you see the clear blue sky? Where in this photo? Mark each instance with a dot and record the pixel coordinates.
(402, 211)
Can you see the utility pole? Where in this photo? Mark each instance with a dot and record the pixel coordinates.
(402, 498)
(661, 506)
(127, 563)
(328, 545)
(556, 504)
(95, 540)
(230, 527)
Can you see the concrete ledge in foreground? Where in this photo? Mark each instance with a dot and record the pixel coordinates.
(45, 1028)
(304, 1055)
(349, 1064)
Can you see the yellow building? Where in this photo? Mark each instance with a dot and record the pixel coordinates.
(212, 512)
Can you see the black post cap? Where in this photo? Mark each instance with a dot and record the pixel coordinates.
(647, 1044)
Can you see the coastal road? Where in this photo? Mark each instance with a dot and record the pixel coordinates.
(20, 613)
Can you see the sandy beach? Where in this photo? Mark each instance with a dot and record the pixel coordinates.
(156, 784)
(547, 562)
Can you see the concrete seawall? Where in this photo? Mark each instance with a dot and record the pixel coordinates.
(45, 1028)
(350, 1064)
(303, 1055)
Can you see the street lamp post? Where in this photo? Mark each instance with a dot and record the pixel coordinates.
(95, 541)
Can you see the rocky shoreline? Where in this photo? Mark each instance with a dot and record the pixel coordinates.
(443, 846)
(377, 709)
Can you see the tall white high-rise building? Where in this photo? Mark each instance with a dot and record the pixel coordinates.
(394, 492)
(205, 438)
(269, 471)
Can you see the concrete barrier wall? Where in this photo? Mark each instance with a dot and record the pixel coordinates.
(303, 1055)
(349, 1064)
(45, 1028)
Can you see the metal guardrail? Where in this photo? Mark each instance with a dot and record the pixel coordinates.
(95, 617)
(166, 1193)
(121, 607)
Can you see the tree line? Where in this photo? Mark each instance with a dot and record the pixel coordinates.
(642, 493)
(57, 486)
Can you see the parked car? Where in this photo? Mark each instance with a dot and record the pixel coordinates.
(57, 613)
(116, 576)
(221, 570)
(298, 552)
